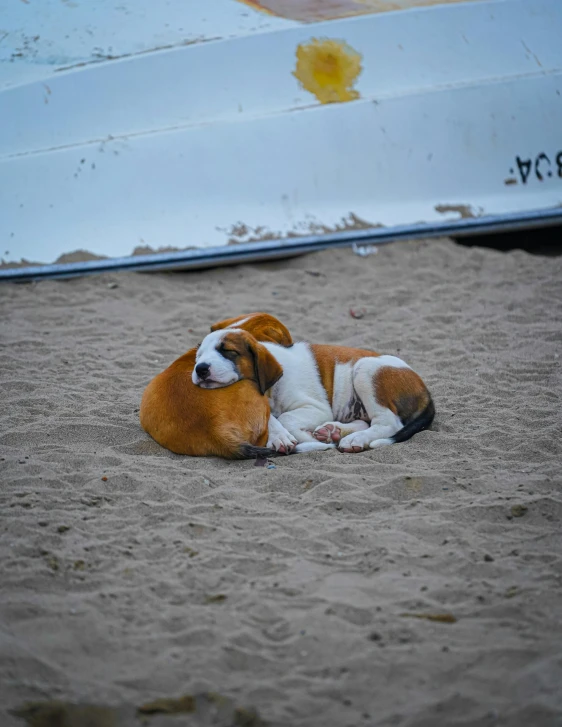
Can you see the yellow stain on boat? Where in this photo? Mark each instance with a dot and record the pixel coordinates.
(328, 68)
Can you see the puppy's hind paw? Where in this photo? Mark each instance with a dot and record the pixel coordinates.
(356, 442)
(328, 433)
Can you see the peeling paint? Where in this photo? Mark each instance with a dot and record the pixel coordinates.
(241, 233)
(78, 256)
(12, 264)
(145, 249)
(328, 68)
(465, 211)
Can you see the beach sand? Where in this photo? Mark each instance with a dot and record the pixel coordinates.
(298, 595)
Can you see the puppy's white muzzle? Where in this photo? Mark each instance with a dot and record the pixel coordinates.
(217, 376)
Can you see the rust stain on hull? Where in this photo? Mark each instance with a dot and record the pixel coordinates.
(311, 11)
(328, 69)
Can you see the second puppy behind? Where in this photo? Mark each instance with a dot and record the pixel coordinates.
(231, 423)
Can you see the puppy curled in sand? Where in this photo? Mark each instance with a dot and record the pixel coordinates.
(328, 396)
(230, 422)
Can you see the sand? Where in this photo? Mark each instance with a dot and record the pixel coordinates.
(299, 594)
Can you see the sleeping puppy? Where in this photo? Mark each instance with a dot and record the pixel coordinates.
(328, 396)
(265, 328)
(231, 423)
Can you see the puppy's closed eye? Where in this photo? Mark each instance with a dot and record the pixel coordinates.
(229, 353)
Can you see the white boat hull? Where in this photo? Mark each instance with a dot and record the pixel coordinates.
(458, 114)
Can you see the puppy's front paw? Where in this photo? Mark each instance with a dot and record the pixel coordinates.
(283, 443)
(328, 433)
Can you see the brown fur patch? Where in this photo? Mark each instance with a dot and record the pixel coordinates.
(402, 391)
(328, 356)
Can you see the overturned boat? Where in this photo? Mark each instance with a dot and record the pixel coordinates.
(150, 136)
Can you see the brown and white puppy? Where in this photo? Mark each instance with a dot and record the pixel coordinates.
(232, 422)
(329, 395)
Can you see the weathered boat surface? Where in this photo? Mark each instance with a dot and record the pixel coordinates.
(149, 126)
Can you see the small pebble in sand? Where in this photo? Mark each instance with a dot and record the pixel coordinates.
(518, 510)
(53, 562)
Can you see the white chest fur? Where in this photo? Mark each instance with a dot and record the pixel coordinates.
(300, 384)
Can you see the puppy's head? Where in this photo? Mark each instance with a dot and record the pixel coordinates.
(231, 354)
(262, 326)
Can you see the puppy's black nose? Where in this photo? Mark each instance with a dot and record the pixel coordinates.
(202, 370)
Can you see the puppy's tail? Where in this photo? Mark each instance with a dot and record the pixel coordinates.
(250, 451)
(420, 422)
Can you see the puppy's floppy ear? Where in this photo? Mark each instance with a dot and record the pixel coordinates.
(262, 326)
(226, 323)
(276, 333)
(267, 370)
